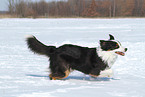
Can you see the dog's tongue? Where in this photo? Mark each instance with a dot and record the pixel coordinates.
(120, 53)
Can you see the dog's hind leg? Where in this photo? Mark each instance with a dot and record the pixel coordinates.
(59, 75)
(59, 70)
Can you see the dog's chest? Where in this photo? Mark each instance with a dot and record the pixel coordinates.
(108, 57)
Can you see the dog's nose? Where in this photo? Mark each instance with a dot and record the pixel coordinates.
(125, 49)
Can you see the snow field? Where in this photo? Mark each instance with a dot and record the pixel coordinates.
(23, 74)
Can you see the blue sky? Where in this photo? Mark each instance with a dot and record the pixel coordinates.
(4, 4)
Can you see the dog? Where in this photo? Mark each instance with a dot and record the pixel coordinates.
(91, 61)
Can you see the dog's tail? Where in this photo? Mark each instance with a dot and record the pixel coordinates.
(37, 47)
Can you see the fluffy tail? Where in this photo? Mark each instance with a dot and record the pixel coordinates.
(38, 47)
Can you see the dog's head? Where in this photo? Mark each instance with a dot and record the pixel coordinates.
(112, 45)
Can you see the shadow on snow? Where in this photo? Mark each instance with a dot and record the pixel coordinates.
(88, 78)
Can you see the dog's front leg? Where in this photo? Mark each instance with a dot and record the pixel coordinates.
(95, 72)
(106, 73)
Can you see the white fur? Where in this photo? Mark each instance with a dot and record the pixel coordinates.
(106, 73)
(121, 48)
(29, 36)
(109, 57)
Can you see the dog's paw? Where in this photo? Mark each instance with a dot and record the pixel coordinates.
(106, 73)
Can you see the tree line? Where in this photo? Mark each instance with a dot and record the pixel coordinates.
(77, 8)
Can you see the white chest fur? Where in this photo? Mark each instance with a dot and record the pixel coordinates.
(109, 57)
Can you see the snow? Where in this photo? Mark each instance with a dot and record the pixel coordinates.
(24, 74)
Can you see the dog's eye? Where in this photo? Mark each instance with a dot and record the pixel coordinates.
(117, 45)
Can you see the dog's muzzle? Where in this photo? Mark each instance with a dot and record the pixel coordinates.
(126, 49)
(121, 53)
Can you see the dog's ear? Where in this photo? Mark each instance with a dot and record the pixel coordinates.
(111, 37)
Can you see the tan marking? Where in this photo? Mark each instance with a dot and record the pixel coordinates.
(67, 72)
(53, 78)
(93, 75)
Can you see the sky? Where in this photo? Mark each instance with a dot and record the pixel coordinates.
(4, 4)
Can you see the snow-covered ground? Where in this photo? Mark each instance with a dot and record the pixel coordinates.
(23, 74)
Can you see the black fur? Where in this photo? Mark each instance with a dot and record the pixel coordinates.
(39, 48)
(108, 45)
(68, 57)
(111, 37)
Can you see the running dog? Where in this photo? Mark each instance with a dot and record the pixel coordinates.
(92, 61)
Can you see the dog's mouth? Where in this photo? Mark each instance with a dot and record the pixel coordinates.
(120, 53)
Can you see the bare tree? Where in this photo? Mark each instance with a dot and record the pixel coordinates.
(91, 10)
(88, 8)
(11, 6)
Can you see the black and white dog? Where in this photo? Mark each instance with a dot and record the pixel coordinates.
(92, 61)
